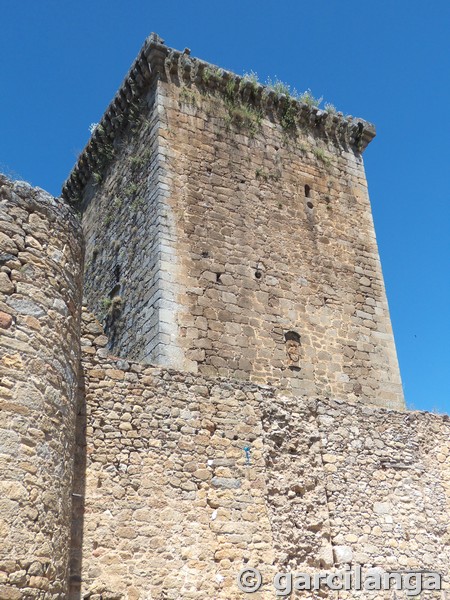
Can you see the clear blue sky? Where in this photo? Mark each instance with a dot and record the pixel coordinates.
(387, 61)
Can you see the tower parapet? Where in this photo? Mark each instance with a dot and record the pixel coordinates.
(41, 258)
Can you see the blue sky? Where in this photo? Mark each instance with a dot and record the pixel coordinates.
(387, 61)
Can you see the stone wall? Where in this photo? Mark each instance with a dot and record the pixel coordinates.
(281, 277)
(386, 479)
(228, 236)
(170, 505)
(41, 259)
(129, 267)
(190, 478)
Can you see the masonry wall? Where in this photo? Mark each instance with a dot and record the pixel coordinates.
(280, 270)
(170, 505)
(386, 480)
(229, 232)
(174, 509)
(127, 226)
(41, 259)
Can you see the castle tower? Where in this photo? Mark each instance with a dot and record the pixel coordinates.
(41, 258)
(229, 232)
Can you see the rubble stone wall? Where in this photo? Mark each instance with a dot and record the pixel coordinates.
(41, 260)
(386, 476)
(189, 479)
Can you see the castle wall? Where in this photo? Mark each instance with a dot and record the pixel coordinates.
(170, 503)
(174, 509)
(130, 269)
(40, 298)
(280, 274)
(387, 481)
(228, 236)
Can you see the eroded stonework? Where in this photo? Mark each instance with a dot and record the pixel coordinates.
(174, 508)
(41, 260)
(238, 400)
(229, 220)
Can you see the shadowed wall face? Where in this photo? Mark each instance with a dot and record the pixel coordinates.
(131, 276)
(41, 259)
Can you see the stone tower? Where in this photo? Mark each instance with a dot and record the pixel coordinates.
(41, 264)
(229, 232)
(230, 396)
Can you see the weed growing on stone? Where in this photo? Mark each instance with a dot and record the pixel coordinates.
(288, 119)
(322, 155)
(139, 161)
(267, 176)
(106, 153)
(130, 189)
(282, 88)
(187, 96)
(209, 72)
(308, 98)
(98, 178)
(252, 77)
(243, 116)
(137, 203)
(230, 88)
(105, 304)
(330, 108)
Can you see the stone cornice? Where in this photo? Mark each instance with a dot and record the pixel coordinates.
(157, 61)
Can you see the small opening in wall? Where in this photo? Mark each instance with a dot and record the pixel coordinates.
(292, 340)
(307, 191)
(310, 205)
(205, 254)
(258, 274)
(115, 291)
(218, 276)
(117, 272)
(292, 336)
